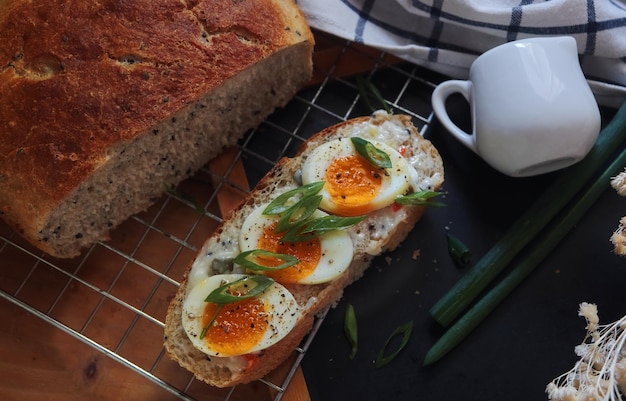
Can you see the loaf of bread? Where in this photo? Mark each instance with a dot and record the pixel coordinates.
(383, 229)
(107, 104)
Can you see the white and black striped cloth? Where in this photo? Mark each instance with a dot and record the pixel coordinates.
(447, 35)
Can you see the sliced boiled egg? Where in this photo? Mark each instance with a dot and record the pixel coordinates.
(240, 327)
(322, 259)
(354, 186)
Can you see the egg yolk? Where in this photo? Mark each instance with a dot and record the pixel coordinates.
(352, 182)
(238, 326)
(308, 252)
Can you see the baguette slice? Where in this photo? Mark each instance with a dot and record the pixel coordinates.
(107, 104)
(381, 231)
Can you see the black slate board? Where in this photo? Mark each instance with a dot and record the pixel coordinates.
(525, 343)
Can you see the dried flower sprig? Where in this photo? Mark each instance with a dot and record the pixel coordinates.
(600, 373)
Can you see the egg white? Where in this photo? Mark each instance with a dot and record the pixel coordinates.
(336, 246)
(395, 183)
(282, 317)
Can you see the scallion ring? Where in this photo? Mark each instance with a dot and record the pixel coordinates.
(403, 330)
(206, 328)
(238, 290)
(280, 204)
(420, 198)
(316, 227)
(252, 259)
(350, 329)
(300, 211)
(371, 153)
(366, 90)
(458, 250)
(330, 222)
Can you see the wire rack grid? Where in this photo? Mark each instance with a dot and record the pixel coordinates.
(114, 297)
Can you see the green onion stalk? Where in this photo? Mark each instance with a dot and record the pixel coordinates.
(529, 224)
(546, 244)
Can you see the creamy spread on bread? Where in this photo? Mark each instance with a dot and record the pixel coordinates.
(385, 157)
(388, 138)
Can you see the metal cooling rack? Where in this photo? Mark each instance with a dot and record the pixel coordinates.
(134, 275)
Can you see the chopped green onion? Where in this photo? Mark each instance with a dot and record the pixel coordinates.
(280, 204)
(464, 326)
(185, 197)
(371, 153)
(238, 290)
(420, 198)
(403, 330)
(350, 329)
(330, 222)
(300, 211)
(366, 90)
(459, 252)
(294, 234)
(530, 223)
(206, 328)
(314, 228)
(249, 259)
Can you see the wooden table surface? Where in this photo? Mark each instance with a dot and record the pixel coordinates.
(39, 361)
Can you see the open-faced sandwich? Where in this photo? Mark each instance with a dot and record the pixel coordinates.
(310, 227)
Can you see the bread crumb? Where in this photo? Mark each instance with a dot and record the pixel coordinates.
(416, 254)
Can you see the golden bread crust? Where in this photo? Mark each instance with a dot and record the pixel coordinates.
(81, 78)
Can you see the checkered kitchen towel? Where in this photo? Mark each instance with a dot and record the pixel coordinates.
(447, 35)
